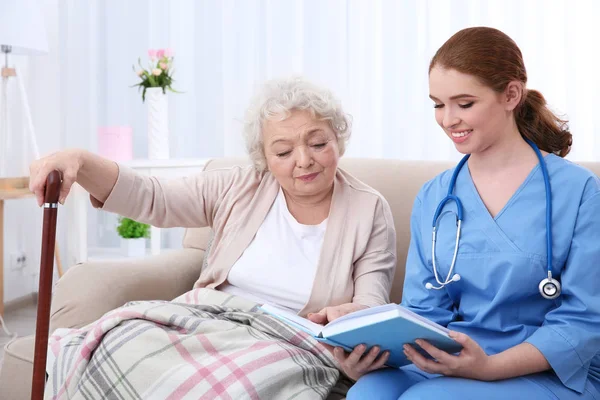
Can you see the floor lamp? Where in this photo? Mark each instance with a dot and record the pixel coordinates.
(22, 32)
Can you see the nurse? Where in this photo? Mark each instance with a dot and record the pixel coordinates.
(530, 328)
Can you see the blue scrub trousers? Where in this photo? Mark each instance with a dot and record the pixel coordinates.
(410, 383)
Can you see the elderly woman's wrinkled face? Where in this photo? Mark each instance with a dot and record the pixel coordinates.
(302, 153)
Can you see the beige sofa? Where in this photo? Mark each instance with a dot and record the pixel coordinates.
(89, 290)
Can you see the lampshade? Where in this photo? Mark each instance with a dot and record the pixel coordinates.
(22, 27)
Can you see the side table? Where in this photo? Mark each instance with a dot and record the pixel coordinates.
(14, 189)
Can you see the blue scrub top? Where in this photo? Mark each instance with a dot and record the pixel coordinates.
(502, 260)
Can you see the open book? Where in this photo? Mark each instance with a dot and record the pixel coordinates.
(389, 326)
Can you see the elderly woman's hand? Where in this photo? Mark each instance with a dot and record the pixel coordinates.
(328, 314)
(97, 175)
(357, 363)
(360, 362)
(67, 162)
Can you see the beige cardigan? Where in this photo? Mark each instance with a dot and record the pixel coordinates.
(358, 257)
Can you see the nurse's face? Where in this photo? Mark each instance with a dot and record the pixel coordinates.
(473, 115)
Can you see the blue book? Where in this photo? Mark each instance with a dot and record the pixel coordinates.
(389, 326)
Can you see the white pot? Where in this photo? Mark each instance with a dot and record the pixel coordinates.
(158, 124)
(133, 247)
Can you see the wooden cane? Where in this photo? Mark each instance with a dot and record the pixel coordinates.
(45, 289)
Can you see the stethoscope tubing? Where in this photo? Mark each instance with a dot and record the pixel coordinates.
(459, 211)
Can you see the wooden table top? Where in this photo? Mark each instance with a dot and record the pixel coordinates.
(14, 188)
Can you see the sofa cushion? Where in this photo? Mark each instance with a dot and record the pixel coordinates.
(17, 368)
(196, 238)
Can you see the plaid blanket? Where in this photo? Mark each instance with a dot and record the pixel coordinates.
(203, 345)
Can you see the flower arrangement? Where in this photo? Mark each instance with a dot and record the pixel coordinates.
(130, 229)
(159, 72)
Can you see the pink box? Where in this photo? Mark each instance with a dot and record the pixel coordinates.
(116, 142)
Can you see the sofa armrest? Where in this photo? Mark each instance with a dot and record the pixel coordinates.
(89, 290)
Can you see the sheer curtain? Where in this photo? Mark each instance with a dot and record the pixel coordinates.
(374, 54)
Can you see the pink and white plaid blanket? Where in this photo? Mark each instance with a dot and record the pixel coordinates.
(202, 345)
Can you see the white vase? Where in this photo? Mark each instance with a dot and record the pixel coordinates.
(158, 124)
(133, 247)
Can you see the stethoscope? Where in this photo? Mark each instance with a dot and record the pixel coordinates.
(548, 287)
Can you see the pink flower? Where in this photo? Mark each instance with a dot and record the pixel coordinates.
(156, 71)
(140, 72)
(160, 53)
(169, 53)
(163, 65)
(152, 54)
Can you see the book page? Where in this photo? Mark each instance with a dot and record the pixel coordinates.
(293, 319)
(365, 312)
(352, 323)
(377, 314)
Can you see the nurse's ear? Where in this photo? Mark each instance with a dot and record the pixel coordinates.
(512, 95)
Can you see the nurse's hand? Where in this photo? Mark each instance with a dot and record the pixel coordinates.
(471, 362)
(328, 314)
(358, 363)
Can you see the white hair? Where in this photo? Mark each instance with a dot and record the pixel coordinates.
(278, 98)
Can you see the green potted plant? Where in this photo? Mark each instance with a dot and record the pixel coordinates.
(133, 237)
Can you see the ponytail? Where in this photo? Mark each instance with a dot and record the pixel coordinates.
(540, 125)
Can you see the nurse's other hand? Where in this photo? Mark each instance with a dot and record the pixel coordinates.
(328, 314)
(471, 362)
(357, 363)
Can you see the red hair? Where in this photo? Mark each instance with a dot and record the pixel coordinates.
(495, 59)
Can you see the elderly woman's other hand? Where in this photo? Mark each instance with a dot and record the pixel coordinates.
(328, 314)
(360, 361)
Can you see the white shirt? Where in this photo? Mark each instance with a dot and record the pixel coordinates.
(280, 264)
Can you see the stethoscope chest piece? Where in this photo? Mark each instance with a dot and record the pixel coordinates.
(550, 288)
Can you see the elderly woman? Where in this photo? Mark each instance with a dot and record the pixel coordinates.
(292, 230)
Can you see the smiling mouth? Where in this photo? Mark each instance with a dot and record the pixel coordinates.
(461, 133)
(460, 136)
(309, 177)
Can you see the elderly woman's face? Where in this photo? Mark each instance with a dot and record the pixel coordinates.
(302, 153)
